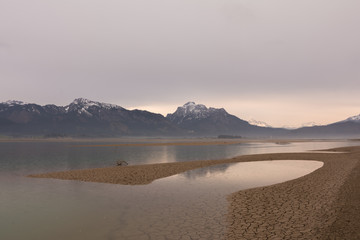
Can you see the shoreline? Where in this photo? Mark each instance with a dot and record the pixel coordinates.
(309, 207)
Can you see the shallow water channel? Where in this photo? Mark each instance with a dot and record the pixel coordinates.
(190, 205)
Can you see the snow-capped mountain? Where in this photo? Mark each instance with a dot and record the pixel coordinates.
(192, 111)
(201, 120)
(11, 103)
(84, 104)
(353, 119)
(349, 128)
(26, 108)
(81, 117)
(79, 105)
(259, 123)
(87, 107)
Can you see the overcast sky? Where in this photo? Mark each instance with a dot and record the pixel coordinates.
(281, 61)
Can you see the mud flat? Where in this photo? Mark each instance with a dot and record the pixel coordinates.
(322, 205)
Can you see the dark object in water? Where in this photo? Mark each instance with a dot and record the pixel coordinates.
(121, 163)
(229, 136)
(282, 143)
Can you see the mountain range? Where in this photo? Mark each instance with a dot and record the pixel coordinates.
(86, 118)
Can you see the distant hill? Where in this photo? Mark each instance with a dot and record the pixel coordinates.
(347, 128)
(86, 118)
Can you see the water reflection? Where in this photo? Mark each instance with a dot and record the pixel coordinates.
(206, 171)
(26, 158)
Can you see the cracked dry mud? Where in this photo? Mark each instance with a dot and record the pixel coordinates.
(321, 205)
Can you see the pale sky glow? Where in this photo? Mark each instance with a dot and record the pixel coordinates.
(283, 62)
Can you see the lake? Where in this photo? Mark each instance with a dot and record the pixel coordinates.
(192, 204)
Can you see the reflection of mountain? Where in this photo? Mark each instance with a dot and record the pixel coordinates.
(206, 172)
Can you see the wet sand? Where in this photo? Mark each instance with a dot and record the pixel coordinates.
(321, 205)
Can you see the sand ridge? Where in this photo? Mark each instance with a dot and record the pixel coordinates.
(147, 173)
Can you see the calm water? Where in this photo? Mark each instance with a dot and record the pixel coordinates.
(188, 204)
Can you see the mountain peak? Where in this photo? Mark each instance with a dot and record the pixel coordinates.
(191, 111)
(82, 101)
(13, 103)
(86, 103)
(192, 107)
(86, 106)
(259, 123)
(353, 119)
(199, 119)
(189, 104)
